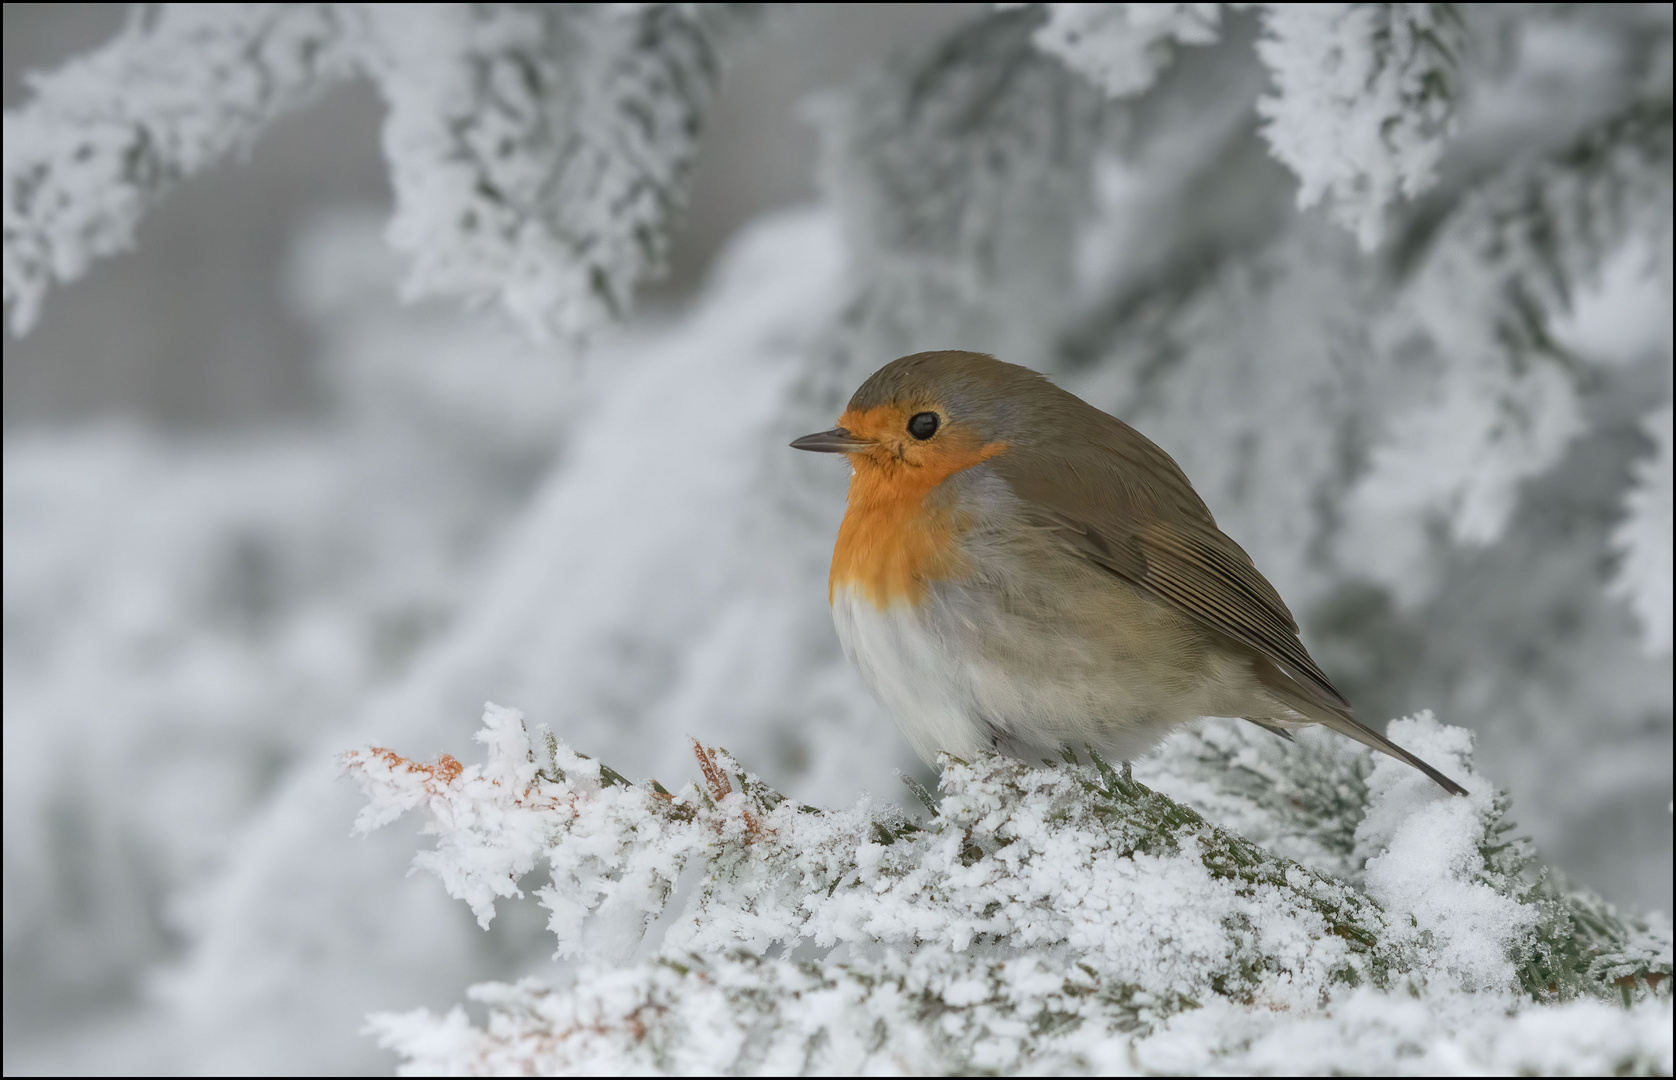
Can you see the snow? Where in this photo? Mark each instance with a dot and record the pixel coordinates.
(1423, 855)
(1406, 1037)
(1057, 918)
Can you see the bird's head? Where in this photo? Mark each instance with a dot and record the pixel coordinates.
(922, 418)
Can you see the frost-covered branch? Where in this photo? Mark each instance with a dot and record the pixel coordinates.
(107, 135)
(1122, 48)
(1644, 541)
(1041, 918)
(1364, 99)
(539, 153)
(1500, 271)
(962, 183)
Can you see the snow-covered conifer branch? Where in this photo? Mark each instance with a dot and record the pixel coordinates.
(108, 134)
(1122, 48)
(1364, 99)
(539, 153)
(961, 182)
(1498, 273)
(1046, 918)
(1643, 539)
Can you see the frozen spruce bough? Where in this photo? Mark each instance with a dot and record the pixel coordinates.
(1061, 917)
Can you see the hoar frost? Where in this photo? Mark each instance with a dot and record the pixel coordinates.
(1060, 917)
(1364, 98)
(538, 153)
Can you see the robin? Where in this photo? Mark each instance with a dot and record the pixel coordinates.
(1019, 571)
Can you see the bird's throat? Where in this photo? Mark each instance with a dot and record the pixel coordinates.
(900, 533)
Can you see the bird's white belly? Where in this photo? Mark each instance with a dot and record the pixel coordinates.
(963, 679)
(915, 671)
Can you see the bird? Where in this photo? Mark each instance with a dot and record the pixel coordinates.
(1020, 572)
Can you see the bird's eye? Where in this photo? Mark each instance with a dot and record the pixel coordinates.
(923, 425)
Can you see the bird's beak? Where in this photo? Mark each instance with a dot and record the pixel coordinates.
(836, 441)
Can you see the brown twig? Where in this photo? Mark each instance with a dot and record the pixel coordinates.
(439, 774)
(715, 778)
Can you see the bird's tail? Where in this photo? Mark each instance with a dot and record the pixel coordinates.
(1319, 707)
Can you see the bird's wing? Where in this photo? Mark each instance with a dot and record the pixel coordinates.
(1120, 502)
(1112, 497)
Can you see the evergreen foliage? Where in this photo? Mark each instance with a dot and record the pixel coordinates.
(539, 153)
(1052, 917)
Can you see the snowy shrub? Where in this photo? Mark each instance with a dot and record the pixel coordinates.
(1042, 918)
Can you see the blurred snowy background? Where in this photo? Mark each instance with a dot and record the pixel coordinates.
(1393, 283)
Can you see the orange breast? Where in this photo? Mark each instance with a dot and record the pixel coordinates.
(891, 548)
(897, 537)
